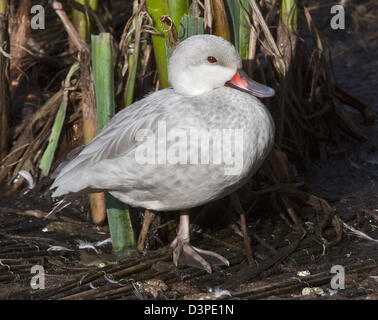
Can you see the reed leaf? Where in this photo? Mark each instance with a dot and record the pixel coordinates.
(244, 30)
(190, 24)
(81, 22)
(121, 229)
(102, 61)
(155, 9)
(237, 11)
(289, 14)
(176, 11)
(222, 28)
(3, 6)
(4, 80)
(119, 221)
(93, 4)
(48, 155)
(133, 60)
(233, 12)
(177, 8)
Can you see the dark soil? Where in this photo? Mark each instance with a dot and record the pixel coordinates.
(349, 182)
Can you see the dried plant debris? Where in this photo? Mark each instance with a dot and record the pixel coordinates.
(154, 287)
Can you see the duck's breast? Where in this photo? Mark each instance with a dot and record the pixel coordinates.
(211, 145)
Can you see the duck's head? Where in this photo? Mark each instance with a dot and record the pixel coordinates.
(205, 62)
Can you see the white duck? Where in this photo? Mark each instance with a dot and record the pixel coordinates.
(181, 147)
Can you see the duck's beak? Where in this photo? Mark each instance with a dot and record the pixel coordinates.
(242, 82)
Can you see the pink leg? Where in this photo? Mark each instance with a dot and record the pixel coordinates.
(185, 253)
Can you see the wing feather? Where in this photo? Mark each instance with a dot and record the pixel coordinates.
(116, 140)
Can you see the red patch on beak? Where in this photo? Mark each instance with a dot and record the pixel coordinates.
(237, 80)
(241, 81)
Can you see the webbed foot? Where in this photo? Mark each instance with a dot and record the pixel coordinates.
(184, 253)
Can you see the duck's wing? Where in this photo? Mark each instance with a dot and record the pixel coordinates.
(117, 139)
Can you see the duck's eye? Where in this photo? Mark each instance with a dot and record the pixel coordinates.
(211, 59)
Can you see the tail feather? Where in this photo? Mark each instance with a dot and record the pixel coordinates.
(60, 205)
(69, 197)
(70, 156)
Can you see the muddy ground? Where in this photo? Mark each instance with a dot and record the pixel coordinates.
(349, 181)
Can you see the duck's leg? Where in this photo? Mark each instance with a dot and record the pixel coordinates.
(185, 253)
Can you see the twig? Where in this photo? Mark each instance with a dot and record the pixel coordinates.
(297, 283)
(30, 213)
(247, 241)
(72, 33)
(86, 9)
(367, 112)
(223, 243)
(149, 216)
(248, 273)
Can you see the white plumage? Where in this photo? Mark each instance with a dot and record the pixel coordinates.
(198, 101)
